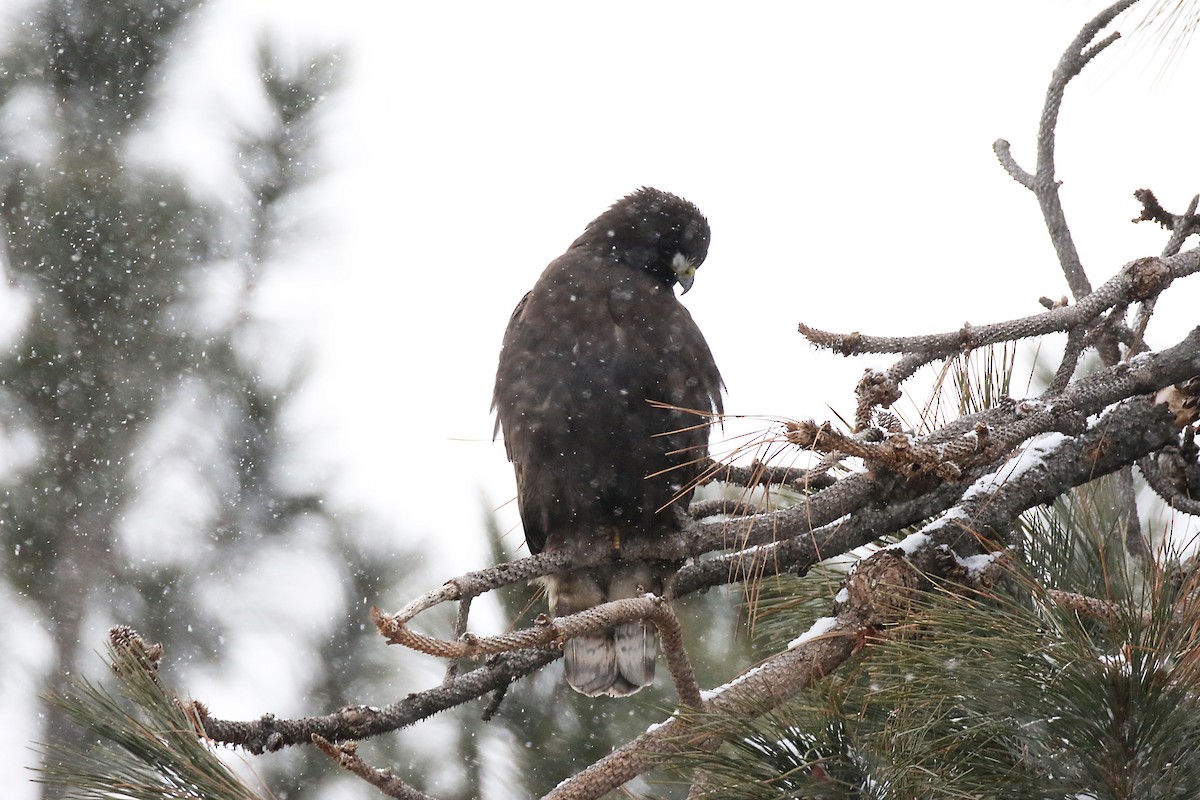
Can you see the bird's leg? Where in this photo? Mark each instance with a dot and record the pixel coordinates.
(616, 541)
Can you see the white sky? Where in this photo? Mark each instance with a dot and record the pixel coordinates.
(842, 153)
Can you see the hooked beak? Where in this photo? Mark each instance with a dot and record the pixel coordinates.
(685, 271)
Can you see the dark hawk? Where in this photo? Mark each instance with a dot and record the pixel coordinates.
(589, 351)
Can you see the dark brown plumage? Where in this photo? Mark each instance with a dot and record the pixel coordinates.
(599, 336)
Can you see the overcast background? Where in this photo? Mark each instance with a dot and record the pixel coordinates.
(843, 158)
(842, 153)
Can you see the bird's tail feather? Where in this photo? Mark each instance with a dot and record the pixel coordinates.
(635, 642)
(590, 663)
(636, 645)
(615, 662)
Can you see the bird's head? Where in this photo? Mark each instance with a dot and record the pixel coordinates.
(652, 230)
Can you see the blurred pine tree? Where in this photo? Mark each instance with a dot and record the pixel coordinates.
(149, 479)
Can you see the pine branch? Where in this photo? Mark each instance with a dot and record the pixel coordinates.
(1139, 281)
(751, 694)
(269, 734)
(794, 539)
(882, 587)
(347, 757)
(146, 747)
(761, 474)
(554, 632)
(1181, 225)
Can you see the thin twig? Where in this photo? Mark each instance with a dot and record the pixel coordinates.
(1138, 344)
(1076, 342)
(1130, 529)
(386, 781)
(1081, 51)
(1003, 150)
(760, 474)
(1181, 225)
(1140, 278)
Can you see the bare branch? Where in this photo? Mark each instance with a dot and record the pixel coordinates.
(1181, 225)
(1138, 343)
(703, 509)
(760, 474)
(476, 583)
(1126, 433)
(1166, 473)
(1138, 279)
(460, 629)
(1043, 182)
(386, 781)
(1003, 151)
(1072, 352)
(268, 733)
(553, 632)
(798, 554)
(1076, 57)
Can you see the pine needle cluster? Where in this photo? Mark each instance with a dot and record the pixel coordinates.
(1075, 676)
(141, 744)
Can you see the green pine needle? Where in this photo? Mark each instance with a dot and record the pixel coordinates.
(1007, 693)
(141, 745)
